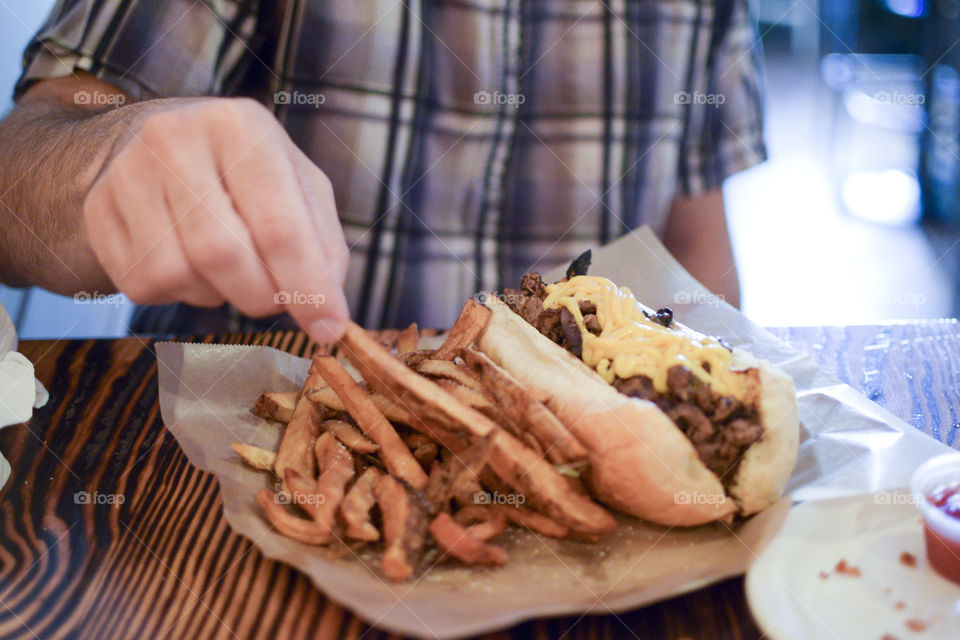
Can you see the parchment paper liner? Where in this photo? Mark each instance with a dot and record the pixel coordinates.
(849, 445)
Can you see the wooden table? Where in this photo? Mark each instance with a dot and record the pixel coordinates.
(164, 564)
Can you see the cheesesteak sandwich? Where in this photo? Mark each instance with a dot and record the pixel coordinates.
(680, 429)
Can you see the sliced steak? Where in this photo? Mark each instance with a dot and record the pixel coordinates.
(532, 285)
(637, 387)
(692, 422)
(531, 309)
(720, 427)
(724, 407)
(572, 339)
(678, 382)
(548, 323)
(742, 433)
(592, 323)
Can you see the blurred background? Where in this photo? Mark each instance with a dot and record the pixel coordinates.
(853, 220)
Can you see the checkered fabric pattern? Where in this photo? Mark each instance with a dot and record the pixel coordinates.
(468, 141)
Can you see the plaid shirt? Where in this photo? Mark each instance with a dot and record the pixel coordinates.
(468, 141)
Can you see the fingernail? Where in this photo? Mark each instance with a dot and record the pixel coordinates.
(326, 330)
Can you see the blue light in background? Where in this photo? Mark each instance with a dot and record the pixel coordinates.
(907, 8)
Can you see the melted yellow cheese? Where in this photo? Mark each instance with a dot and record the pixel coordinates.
(629, 344)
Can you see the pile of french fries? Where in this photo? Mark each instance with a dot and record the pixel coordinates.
(431, 455)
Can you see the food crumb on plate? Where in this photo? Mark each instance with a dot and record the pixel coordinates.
(916, 625)
(899, 604)
(908, 559)
(847, 569)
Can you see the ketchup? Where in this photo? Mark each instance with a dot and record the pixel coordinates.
(944, 551)
(946, 497)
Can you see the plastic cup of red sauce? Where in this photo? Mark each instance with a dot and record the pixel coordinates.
(936, 491)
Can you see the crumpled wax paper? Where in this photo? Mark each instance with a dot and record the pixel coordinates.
(849, 445)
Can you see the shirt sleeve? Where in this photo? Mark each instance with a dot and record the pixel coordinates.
(148, 48)
(725, 131)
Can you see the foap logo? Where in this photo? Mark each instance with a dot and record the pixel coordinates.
(288, 298)
(99, 99)
(699, 98)
(697, 297)
(510, 99)
(697, 497)
(903, 299)
(894, 498)
(300, 499)
(85, 297)
(299, 98)
(512, 499)
(509, 299)
(900, 99)
(85, 497)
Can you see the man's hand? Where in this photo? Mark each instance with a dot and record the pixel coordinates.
(211, 202)
(208, 200)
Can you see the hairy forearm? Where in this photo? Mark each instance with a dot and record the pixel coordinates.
(50, 155)
(48, 159)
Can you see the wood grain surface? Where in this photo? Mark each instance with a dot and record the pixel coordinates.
(108, 532)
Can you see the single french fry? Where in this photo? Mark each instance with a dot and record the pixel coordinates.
(424, 448)
(414, 440)
(335, 463)
(349, 435)
(408, 339)
(482, 522)
(413, 358)
(405, 387)
(296, 447)
(536, 522)
(426, 453)
(458, 542)
(256, 457)
(404, 528)
(356, 505)
(286, 523)
(521, 408)
(276, 406)
(395, 455)
(471, 322)
(450, 370)
(304, 493)
(519, 466)
(471, 398)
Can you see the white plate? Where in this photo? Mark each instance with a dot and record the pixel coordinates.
(790, 599)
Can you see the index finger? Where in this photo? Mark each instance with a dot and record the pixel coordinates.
(261, 178)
